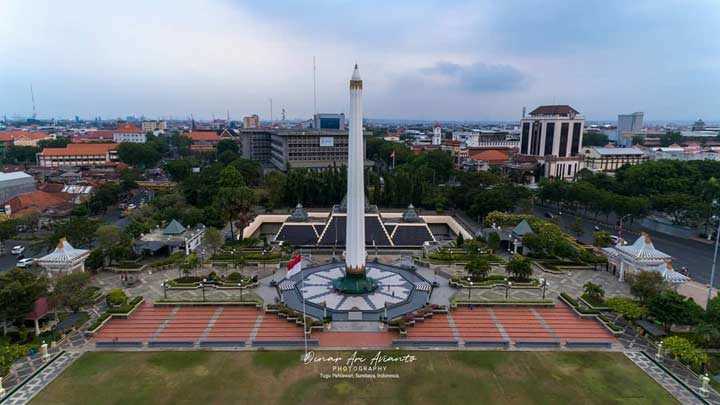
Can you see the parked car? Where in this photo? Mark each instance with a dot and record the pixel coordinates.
(615, 239)
(17, 250)
(22, 263)
(549, 215)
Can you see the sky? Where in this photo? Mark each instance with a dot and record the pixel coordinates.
(419, 59)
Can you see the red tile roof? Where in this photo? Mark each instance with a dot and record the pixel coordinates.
(37, 201)
(100, 134)
(204, 136)
(80, 149)
(491, 156)
(128, 128)
(9, 136)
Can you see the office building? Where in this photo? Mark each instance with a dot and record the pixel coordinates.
(316, 149)
(552, 135)
(627, 126)
(255, 144)
(437, 135)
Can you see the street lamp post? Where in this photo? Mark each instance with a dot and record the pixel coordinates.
(241, 292)
(202, 285)
(712, 272)
(470, 289)
(507, 290)
(164, 285)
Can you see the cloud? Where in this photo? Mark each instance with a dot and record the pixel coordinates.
(478, 77)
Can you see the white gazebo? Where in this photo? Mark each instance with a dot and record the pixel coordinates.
(64, 259)
(642, 256)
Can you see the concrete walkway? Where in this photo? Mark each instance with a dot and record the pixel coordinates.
(681, 393)
(42, 379)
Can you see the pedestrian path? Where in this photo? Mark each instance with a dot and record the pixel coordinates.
(677, 390)
(40, 380)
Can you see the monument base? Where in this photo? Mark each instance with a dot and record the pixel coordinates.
(355, 284)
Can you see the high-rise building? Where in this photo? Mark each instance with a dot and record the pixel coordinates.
(627, 125)
(553, 135)
(251, 121)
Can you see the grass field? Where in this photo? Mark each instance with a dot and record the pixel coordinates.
(277, 377)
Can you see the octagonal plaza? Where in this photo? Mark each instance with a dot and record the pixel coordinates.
(400, 291)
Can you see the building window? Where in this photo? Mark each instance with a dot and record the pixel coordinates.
(575, 139)
(564, 127)
(536, 130)
(524, 142)
(549, 137)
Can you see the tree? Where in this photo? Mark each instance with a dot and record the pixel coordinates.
(478, 268)
(112, 242)
(191, 262)
(116, 297)
(520, 268)
(460, 240)
(8, 229)
(671, 308)
(106, 195)
(179, 169)
(233, 199)
(227, 145)
(595, 139)
(602, 239)
(138, 154)
(19, 289)
(646, 284)
(493, 241)
(72, 290)
(577, 227)
(593, 293)
(214, 239)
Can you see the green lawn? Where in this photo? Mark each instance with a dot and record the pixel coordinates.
(195, 377)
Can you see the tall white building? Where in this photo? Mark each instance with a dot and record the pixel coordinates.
(627, 125)
(437, 135)
(355, 228)
(553, 134)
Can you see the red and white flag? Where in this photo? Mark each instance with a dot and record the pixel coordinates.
(294, 266)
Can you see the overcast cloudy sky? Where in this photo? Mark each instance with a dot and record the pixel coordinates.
(420, 59)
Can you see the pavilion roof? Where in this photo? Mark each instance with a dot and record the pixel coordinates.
(63, 253)
(643, 250)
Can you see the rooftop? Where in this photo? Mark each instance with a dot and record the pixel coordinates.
(14, 176)
(563, 110)
(128, 128)
(204, 135)
(74, 149)
(618, 151)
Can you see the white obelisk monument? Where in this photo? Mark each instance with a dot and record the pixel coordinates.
(355, 229)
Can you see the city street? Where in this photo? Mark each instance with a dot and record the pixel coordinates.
(696, 256)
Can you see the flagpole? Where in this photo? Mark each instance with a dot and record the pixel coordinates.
(302, 294)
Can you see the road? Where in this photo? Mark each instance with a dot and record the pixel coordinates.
(696, 256)
(8, 260)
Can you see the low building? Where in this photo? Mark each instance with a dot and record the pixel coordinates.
(54, 204)
(493, 157)
(608, 160)
(129, 133)
(79, 155)
(96, 136)
(203, 141)
(641, 256)
(329, 121)
(255, 144)
(64, 259)
(174, 237)
(22, 138)
(15, 183)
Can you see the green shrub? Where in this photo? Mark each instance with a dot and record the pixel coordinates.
(626, 307)
(116, 297)
(683, 350)
(235, 277)
(594, 293)
(520, 268)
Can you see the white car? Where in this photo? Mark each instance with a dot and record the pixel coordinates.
(22, 263)
(17, 250)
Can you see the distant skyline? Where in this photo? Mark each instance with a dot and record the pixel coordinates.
(425, 60)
